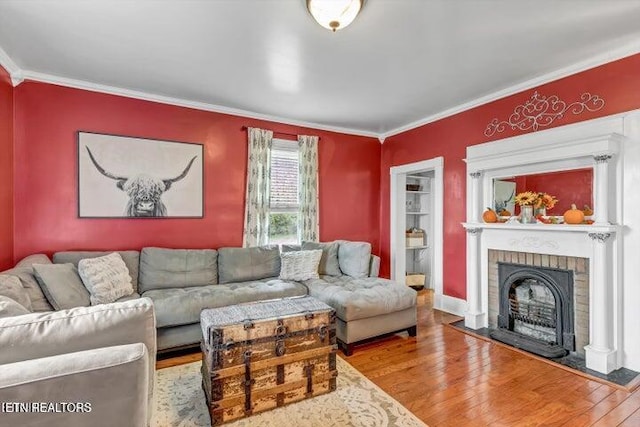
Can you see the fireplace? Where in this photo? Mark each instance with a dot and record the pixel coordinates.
(536, 310)
(599, 332)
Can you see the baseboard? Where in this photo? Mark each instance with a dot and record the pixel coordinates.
(451, 305)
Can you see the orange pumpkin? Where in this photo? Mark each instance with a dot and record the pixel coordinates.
(587, 210)
(505, 212)
(573, 215)
(489, 216)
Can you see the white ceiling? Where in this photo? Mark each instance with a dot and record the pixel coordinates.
(399, 64)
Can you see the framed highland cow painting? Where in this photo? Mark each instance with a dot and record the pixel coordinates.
(126, 177)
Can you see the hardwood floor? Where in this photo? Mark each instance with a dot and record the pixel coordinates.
(448, 378)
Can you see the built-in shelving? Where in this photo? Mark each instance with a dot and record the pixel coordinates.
(417, 247)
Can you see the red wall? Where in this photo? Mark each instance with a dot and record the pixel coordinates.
(6, 170)
(48, 116)
(618, 83)
(569, 187)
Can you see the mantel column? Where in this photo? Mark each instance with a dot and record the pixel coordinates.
(600, 354)
(474, 318)
(601, 207)
(475, 196)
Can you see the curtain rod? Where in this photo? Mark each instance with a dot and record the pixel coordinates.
(279, 133)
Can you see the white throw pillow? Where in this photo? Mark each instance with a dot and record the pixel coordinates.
(106, 278)
(300, 265)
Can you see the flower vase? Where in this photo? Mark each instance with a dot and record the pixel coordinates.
(541, 211)
(526, 215)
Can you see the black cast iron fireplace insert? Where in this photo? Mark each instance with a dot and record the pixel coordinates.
(536, 309)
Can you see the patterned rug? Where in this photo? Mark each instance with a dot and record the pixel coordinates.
(180, 402)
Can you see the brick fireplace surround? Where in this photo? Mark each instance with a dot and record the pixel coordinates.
(580, 269)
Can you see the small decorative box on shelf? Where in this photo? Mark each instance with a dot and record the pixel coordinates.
(416, 280)
(415, 239)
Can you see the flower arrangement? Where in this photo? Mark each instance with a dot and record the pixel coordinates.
(537, 200)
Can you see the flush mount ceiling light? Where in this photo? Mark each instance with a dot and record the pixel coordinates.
(334, 14)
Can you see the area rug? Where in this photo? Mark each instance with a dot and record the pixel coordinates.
(180, 402)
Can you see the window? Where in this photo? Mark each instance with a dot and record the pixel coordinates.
(284, 202)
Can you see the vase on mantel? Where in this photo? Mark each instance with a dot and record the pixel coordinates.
(526, 215)
(541, 211)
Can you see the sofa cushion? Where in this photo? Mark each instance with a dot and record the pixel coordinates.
(25, 273)
(243, 264)
(11, 287)
(30, 260)
(300, 265)
(361, 298)
(182, 306)
(354, 258)
(62, 285)
(177, 268)
(107, 278)
(130, 258)
(10, 307)
(329, 264)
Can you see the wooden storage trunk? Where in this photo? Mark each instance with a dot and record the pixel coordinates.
(259, 356)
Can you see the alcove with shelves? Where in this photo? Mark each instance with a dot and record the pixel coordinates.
(418, 229)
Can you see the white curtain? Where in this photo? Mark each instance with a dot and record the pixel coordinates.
(256, 211)
(308, 224)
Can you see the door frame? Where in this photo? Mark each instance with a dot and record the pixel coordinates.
(397, 225)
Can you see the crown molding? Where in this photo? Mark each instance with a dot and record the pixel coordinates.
(18, 76)
(595, 61)
(112, 90)
(12, 68)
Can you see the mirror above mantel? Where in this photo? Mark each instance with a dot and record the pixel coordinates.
(568, 186)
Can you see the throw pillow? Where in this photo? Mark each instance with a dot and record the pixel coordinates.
(329, 262)
(107, 278)
(300, 265)
(9, 307)
(354, 258)
(62, 286)
(11, 287)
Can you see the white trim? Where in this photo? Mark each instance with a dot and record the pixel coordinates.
(12, 68)
(112, 90)
(451, 305)
(396, 240)
(593, 62)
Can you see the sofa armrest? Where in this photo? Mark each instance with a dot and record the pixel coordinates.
(100, 387)
(374, 266)
(37, 335)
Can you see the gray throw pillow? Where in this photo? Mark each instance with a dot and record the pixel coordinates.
(10, 308)
(11, 287)
(62, 285)
(354, 258)
(329, 262)
(38, 300)
(300, 265)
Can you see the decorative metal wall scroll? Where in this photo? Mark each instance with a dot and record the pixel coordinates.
(541, 111)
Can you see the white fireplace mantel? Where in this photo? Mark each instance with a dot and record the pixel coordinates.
(596, 145)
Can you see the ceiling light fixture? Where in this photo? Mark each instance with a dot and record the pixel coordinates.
(334, 14)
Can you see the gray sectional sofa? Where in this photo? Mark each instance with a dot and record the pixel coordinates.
(182, 282)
